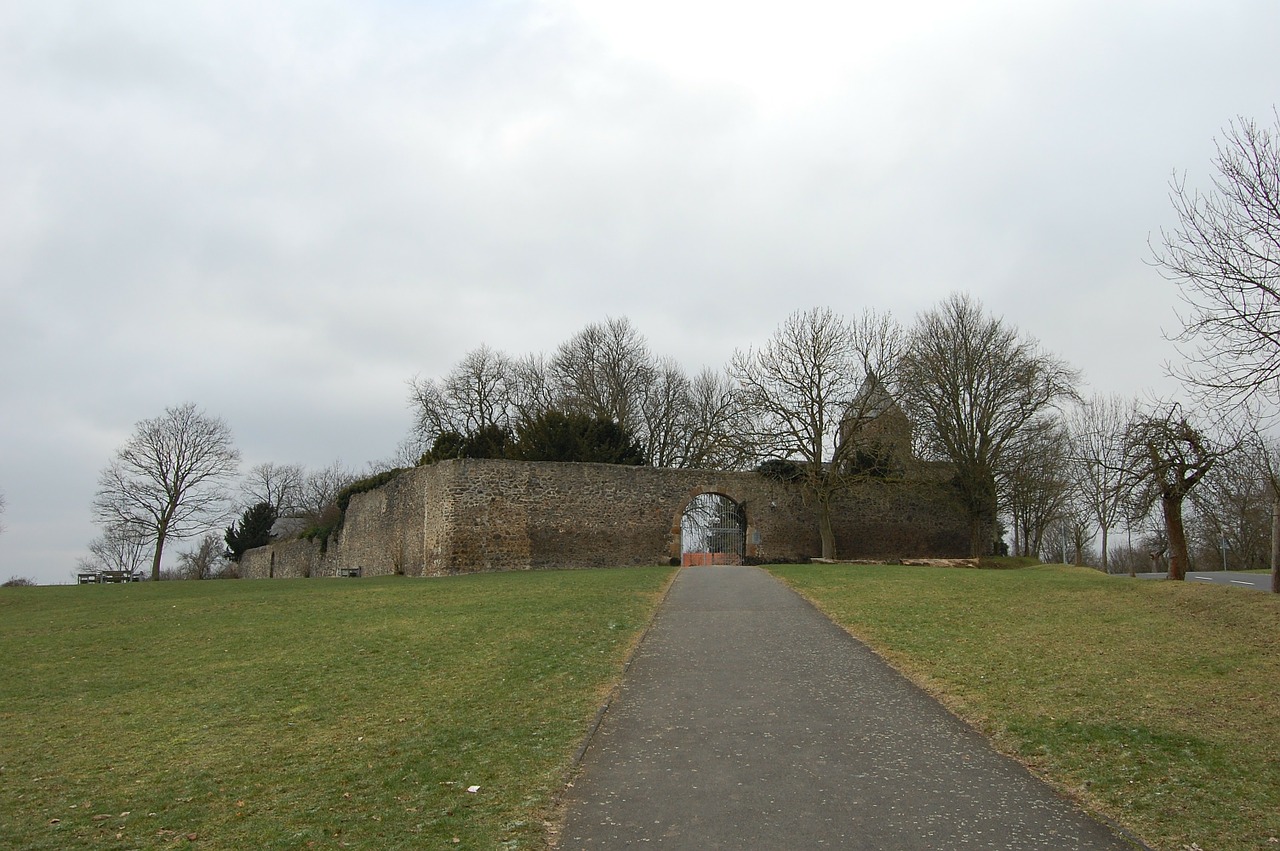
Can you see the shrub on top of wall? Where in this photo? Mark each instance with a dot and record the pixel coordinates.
(781, 470)
(373, 482)
(331, 520)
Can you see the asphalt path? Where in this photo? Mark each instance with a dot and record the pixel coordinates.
(748, 720)
(1257, 581)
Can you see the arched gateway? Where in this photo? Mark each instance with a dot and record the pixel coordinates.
(713, 530)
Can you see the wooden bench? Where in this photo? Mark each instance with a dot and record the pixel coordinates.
(353, 572)
(86, 579)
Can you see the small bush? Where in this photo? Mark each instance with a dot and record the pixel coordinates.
(781, 470)
(18, 582)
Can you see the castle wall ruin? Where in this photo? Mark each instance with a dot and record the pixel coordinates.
(470, 515)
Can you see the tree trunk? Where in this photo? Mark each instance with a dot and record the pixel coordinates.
(155, 559)
(977, 538)
(1106, 568)
(1133, 562)
(825, 531)
(1172, 507)
(162, 532)
(1275, 544)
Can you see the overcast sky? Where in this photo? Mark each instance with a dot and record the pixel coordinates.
(284, 211)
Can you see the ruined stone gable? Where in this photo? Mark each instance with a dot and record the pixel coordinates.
(473, 515)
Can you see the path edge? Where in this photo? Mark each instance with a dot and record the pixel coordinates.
(1057, 788)
(556, 807)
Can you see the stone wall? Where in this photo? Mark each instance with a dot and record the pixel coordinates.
(472, 515)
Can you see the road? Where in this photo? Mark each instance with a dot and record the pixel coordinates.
(1257, 581)
(749, 720)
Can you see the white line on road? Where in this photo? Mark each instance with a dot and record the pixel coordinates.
(1241, 582)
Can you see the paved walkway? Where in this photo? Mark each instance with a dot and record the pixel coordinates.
(749, 721)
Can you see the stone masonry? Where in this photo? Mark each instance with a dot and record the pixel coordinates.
(474, 515)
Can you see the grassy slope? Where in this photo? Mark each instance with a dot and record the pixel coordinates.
(1154, 702)
(304, 714)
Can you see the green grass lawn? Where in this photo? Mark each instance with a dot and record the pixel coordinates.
(305, 714)
(1156, 703)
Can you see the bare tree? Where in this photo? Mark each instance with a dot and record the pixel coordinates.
(408, 453)
(1231, 519)
(1097, 433)
(1035, 482)
(279, 485)
(606, 370)
(809, 393)
(170, 479)
(1069, 535)
(665, 409)
(531, 389)
(1265, 454)
(119, 548)
(320, 489)
(1225, 256)
(203, 561)
(715, 424)
(1166, 457)
(475, 395)
(971, 384)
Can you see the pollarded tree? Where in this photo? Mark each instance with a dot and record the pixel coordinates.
(169, 481)
(1225, 256)
(971, 384)
(1166, 457)
(808, 394)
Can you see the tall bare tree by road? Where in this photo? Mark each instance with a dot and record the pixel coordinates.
(1231, 520)
(971, 384)
(1224, 254)
(169, 481)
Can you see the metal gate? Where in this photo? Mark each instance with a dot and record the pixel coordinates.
(713, 530)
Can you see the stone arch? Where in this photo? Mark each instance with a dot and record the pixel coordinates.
(714, 527)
